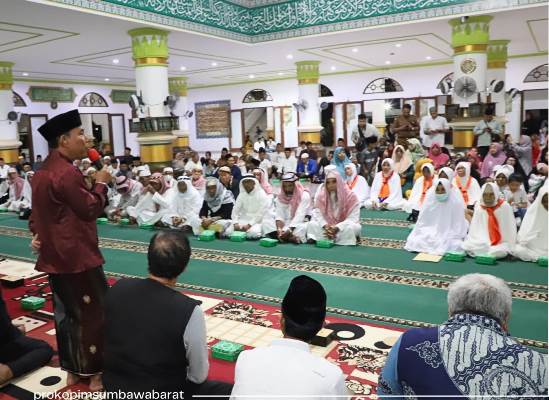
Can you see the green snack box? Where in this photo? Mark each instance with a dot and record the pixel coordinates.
(303, 180)
(150, 227)
(485, 259)
(32, 303)
(268, 242)
(238, 237)
(207, 236)
(226, 350)
(456, 256)
(124, 221)
(542, 262)
(325, 244)
(275, 181)
(3, 209)
(101, 221)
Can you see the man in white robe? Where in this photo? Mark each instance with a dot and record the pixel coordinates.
(386, 191)
(532, 236)
(441, 225)
(357, 183)
(336, 213)
(153, 204)
(252, 212)
(168, 177)
(130, 192)
(185, 204)
(15, 185)
(293, 210)
(493, 229)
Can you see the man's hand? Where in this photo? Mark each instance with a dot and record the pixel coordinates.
(176, 220)
(35, 244)
(237, 227)
(103, 176)
(151, 189)
(5, 373)
(206, 222)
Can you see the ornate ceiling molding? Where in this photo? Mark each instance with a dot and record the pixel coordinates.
(294, 18)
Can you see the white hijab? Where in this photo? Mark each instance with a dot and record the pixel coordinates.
(361, 187)
(532, 236)
(441, 225)
(473, 191)
(188, 203)
(413, 202)
(395, 199)
(478, 238)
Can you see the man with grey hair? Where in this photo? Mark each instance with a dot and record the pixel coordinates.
(471, 354)
(433, 128)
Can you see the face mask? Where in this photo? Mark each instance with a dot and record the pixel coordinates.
(168, 178)
(442, 197)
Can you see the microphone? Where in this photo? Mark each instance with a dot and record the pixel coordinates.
(95, 158)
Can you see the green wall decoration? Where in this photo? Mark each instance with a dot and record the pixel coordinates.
(291, 18)
(121, 96)
(44, 94)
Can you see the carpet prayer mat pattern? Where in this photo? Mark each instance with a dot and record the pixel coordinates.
(359, 348)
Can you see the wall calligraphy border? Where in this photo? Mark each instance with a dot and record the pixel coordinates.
(292, 18)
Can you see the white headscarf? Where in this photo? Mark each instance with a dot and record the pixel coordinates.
(532, 236)
(188, 203)
(395, 199)
(441, 225)
(250, 207)
(358, 184)
(473, 191)
(478, 239)
(221, 196)
(448, 171)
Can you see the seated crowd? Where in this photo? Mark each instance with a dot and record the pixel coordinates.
(302, 195)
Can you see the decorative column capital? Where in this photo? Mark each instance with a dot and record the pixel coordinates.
(6, 75)
(470, 34)
(497, 53)
(149, 47)
(307, 72)
(178, 85)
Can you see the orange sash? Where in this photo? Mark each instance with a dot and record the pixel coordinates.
(427, 183)
(385, 191)
(463, 190)
(493, 226)
(353, 183)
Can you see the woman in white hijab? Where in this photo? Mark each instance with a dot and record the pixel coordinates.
(532, 236)
(414, 204)
(386, 191)
(441, 225)
(357, 183)
(448, 173)
(501, 176)
(466, 184)
(185, 204)
(493, 230)
(253, 212)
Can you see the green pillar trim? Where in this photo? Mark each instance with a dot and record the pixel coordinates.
(178, 85)
(307, 72)
(149, 43)
(6, 75)
(470, 30)
(497, 50)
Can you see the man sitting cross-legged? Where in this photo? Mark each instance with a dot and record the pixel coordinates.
(292, 210)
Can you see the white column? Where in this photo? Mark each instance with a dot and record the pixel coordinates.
(178, 88)
(309, 92)
(497, 66)
(9, 136)
(152, 83)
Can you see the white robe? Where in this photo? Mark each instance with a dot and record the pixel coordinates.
(16, 203)
(441, 226)
(298, 222)
(349, 229)
(477, 241)
(145, 211)
(473, 191)
(185, 206)
(126, 200)
(360, 187)
(254, 209)
(395, 200)
(532, 236)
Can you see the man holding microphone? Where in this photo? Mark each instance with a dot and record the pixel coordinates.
(63, 223)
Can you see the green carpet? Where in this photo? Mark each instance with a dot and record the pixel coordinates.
(379, 281)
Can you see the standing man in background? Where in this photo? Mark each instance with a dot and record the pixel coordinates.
(433, 128)
(484, 131)
(63, 224)
(405, 126)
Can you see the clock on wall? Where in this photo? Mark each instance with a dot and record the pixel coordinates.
(468, 66)
(465, 87)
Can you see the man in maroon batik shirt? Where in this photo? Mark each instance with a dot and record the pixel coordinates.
(63, 223)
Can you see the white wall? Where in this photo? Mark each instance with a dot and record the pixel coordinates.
(22, 88)
(416, 82)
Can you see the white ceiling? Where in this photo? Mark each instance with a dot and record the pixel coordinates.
(57, 44)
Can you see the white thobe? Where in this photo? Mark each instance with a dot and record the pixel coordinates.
(429, 124)
(298, 222)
